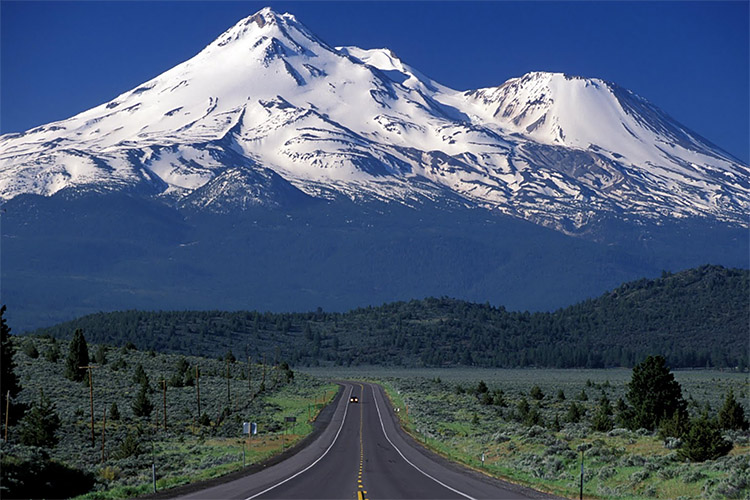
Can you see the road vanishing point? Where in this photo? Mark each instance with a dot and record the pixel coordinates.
(363, 454)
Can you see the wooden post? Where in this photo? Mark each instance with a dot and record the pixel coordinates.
(580, 495)
(229, 394)
(104, 431)
(198, 389)
(249, 376)
(164, 384)
(7, 412)
(263, 380)
(91, 397)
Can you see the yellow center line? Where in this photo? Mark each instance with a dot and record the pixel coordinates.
(360, 487)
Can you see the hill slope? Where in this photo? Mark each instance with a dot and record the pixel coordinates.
(696, 318)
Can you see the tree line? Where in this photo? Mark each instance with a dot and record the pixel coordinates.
(695, 319)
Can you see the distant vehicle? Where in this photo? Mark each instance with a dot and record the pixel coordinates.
(354, 399)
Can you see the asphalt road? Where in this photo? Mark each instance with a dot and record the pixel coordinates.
(363, 454)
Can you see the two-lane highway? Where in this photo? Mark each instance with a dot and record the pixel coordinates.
(363, 454)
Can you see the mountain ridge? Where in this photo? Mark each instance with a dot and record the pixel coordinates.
(693, 317)
(556, 150)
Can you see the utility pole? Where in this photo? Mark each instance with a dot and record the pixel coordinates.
(198, 389)
(263, 380)
(104, 430)
(249, 376)
(229, 393)
(164, 384)
(91, 397)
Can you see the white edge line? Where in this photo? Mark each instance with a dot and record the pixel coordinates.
(407, 460)
(343, 419)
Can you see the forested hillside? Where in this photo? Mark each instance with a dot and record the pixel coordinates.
(695, 318)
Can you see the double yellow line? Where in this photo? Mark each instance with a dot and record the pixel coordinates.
(360, 487)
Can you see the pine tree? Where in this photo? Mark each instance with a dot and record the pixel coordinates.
(39, 426)
(536, 393)
(140, 377)
(575, 412)
(114, 412)
(8, 378)
(78, 355)
(704, 441)
(653, 393)
(602, 420)
(101, 355)
(142, 406)
(732, 415)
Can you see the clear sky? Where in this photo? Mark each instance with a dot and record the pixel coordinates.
(689, 58)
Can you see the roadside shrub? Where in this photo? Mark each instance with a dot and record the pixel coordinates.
(734, 486)
(692, 475)
(606, 472)
(29, 473)
(129, 447)
(671, 443)
(639, 476)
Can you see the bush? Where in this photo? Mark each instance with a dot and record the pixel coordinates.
(536, 393)
(34, 475)
(53, 354)
(704, 441)
(30, 350)
(129, 447)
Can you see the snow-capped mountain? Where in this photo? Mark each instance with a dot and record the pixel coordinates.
(269, 113)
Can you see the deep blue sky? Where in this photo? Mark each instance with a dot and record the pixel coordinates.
(689, 58)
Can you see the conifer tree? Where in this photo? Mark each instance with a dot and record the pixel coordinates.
(8, 378)
(114, 412)
(653, 393)
(142, 406)
(39, 426)
(78, 355)
(602, 420)
(704, 441)
(732, 415)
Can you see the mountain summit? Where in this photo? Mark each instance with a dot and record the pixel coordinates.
(273, 171)
(268, 99)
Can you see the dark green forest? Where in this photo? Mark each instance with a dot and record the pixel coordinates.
(694, 318)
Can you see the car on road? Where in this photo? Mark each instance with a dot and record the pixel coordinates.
(354, 399)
